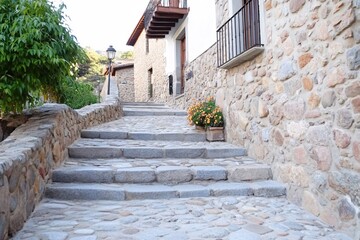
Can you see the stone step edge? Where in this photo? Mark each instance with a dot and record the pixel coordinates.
(103, 134)
(142, 103)
(162, 174)
(136, 191)
(152, 152)
(128, 112)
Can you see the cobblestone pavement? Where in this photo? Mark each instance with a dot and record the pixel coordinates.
(240, 218)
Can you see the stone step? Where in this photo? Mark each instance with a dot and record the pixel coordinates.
(120, 192)
(129, 111)
(113, 148)
(142, 104)
(161, 174)
(111, 134)
(147, 127)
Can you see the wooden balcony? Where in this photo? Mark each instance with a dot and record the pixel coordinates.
(162, 15)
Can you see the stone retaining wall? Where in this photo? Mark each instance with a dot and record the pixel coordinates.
(33, 150)
(297, 105)
(125, 81)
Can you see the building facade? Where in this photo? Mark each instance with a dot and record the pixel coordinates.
(150, 80)
(286, 74)
(124, 77)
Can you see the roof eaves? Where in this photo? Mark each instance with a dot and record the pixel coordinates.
(137, 31)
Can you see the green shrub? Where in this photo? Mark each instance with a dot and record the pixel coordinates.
(77, 94)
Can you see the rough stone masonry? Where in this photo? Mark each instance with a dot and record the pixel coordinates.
(297, 105)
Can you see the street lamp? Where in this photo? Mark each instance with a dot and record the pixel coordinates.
(110, 52)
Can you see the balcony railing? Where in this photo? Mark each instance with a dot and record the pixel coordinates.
(239, 34)
(162, 15)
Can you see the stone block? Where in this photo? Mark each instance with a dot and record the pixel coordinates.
(304, 59)
(322, 155)
(225, 152)
(194, 137)
(356, 104)
(336, 77)
(307, 83)
(297, 129)
(113, 135)
(300, 155)
(347, 210)
(319, 135)
(294, 110)
(353, 89)
(176, 174)
(344, 118)
(135, 175)
(342, 139)
(249, 173)
(347, 183)
(296, 5)
(356, 150)
(195, 152)
(310, 203)
(143, 153)
(149, 192)
(263, 110)
(328, 98)
(209, 173)
(286, 70)
(277, 137)
(243, 122)
(230, 189)
(141, 136)
(191, 191)
(269, 189)
(95, 152)
(90, 134)
(85, 192)
(84, 175)
(313, 101)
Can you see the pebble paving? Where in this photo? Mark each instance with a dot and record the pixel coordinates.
(193, 218)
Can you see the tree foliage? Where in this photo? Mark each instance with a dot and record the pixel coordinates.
(126, 55)
(37, 52)
(93, 65)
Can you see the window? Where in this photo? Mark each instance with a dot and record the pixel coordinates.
(239, 39)
(150, 83)
(147, 47)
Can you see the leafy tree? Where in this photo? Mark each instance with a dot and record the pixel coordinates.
(127, 55)
(37, 52)
(93, 64)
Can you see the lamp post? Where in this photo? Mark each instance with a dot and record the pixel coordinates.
(110, 52)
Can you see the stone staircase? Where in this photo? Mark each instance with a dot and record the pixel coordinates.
(151, 153)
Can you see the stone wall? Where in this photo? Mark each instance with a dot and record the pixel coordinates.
(33, 150)
(297, 105)
(154, 60)
(125, 81)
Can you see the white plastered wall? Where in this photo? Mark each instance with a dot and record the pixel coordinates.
(199, 27)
